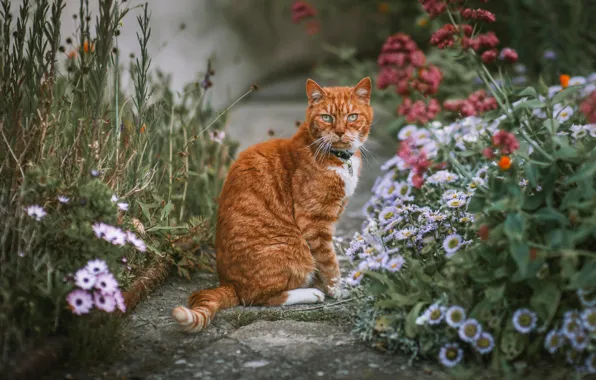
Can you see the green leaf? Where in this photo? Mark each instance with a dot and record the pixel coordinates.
(477, 203)
(528, 91)
(560, 239)
(165, 228)
(521, 255)
(514, 226)
(587, 170)
(586, 277)
(550, 214)
(561, 95)
(531, 173)
(145, 210)
(532, 202)
(545, 300)
(411, 328)
(166, 210)
(530, 104)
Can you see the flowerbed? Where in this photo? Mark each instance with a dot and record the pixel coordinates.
(95, 184)
(479, 240)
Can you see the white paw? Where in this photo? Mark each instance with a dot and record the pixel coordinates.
(339, 292)
(304, 295)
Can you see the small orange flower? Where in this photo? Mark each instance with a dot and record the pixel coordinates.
(143, 128)
(564, 79)
(422, 21)
(72, 54)
(88, 47)
(383, 7)
(505, 162)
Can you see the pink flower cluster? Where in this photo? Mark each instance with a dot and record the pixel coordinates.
(477, 103)
(478, 14)
(588, 107)
(506, 142)
(301, 10)
(97, 287)
(419, 111)
(415, 159)
(448, 35)
(403, 65)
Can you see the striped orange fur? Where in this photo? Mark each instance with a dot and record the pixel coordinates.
(278, 208)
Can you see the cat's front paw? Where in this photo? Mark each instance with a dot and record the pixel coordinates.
(338, 291)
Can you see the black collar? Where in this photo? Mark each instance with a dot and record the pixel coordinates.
(343, 155)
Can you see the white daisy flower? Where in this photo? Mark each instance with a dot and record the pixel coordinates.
(99, 229)
(407, 132)
(388, 215)
(579, 134)
(115, 235)
(523, 183)
(577, 81)
(123, 206)
(572, 327)
(120, 304)
(580, 341)
(524, 320)
(470, 330)
(553, 341)
(485, 343)
(405, 233)
(395, 264)
(421, 137)
(391, 163)
(36, 212)
(591, 363)
(442, 176)
(403, 190)
(450, 355)
(455, 316)
(114, 198)
(589, 319)
(562, 113)
(553, 90)
(591, 128)
(63, 199)
(434, 314)
(587, 298)
(456, 203)
(451, 244)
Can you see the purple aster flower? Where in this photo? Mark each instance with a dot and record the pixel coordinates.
(106, 283)
(97, 267)
(104, 302)
(84, 279)
(80, 301)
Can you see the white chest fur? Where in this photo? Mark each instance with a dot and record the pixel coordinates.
(349, 177)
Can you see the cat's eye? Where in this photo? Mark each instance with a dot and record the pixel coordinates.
(352, 117)
(327, 118)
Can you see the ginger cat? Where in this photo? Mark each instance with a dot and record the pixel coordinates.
(278, 208)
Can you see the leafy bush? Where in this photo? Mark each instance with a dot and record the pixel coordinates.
(88, 172)
(479, 244)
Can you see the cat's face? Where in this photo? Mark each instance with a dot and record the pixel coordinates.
(339, 117)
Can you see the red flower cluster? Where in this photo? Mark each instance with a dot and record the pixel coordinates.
(506, 141)
(478, 14)
(419, 112)
(588, 107)
(415, 159)
(403, 65)
(434, 7)
(510, 55)
(445, 36)
(302, 10)
(477, 103)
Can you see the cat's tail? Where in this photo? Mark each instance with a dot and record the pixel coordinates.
(202, 306)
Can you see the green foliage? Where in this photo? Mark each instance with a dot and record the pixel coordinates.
(73, 143)
(524, 232)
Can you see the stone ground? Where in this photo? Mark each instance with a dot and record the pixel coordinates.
(292, 342)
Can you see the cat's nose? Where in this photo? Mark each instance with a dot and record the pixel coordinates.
(339, 133)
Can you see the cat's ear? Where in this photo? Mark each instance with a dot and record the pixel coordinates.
(362, 90)
(314, 92)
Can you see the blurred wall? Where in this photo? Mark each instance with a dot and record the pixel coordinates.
(251, 41)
